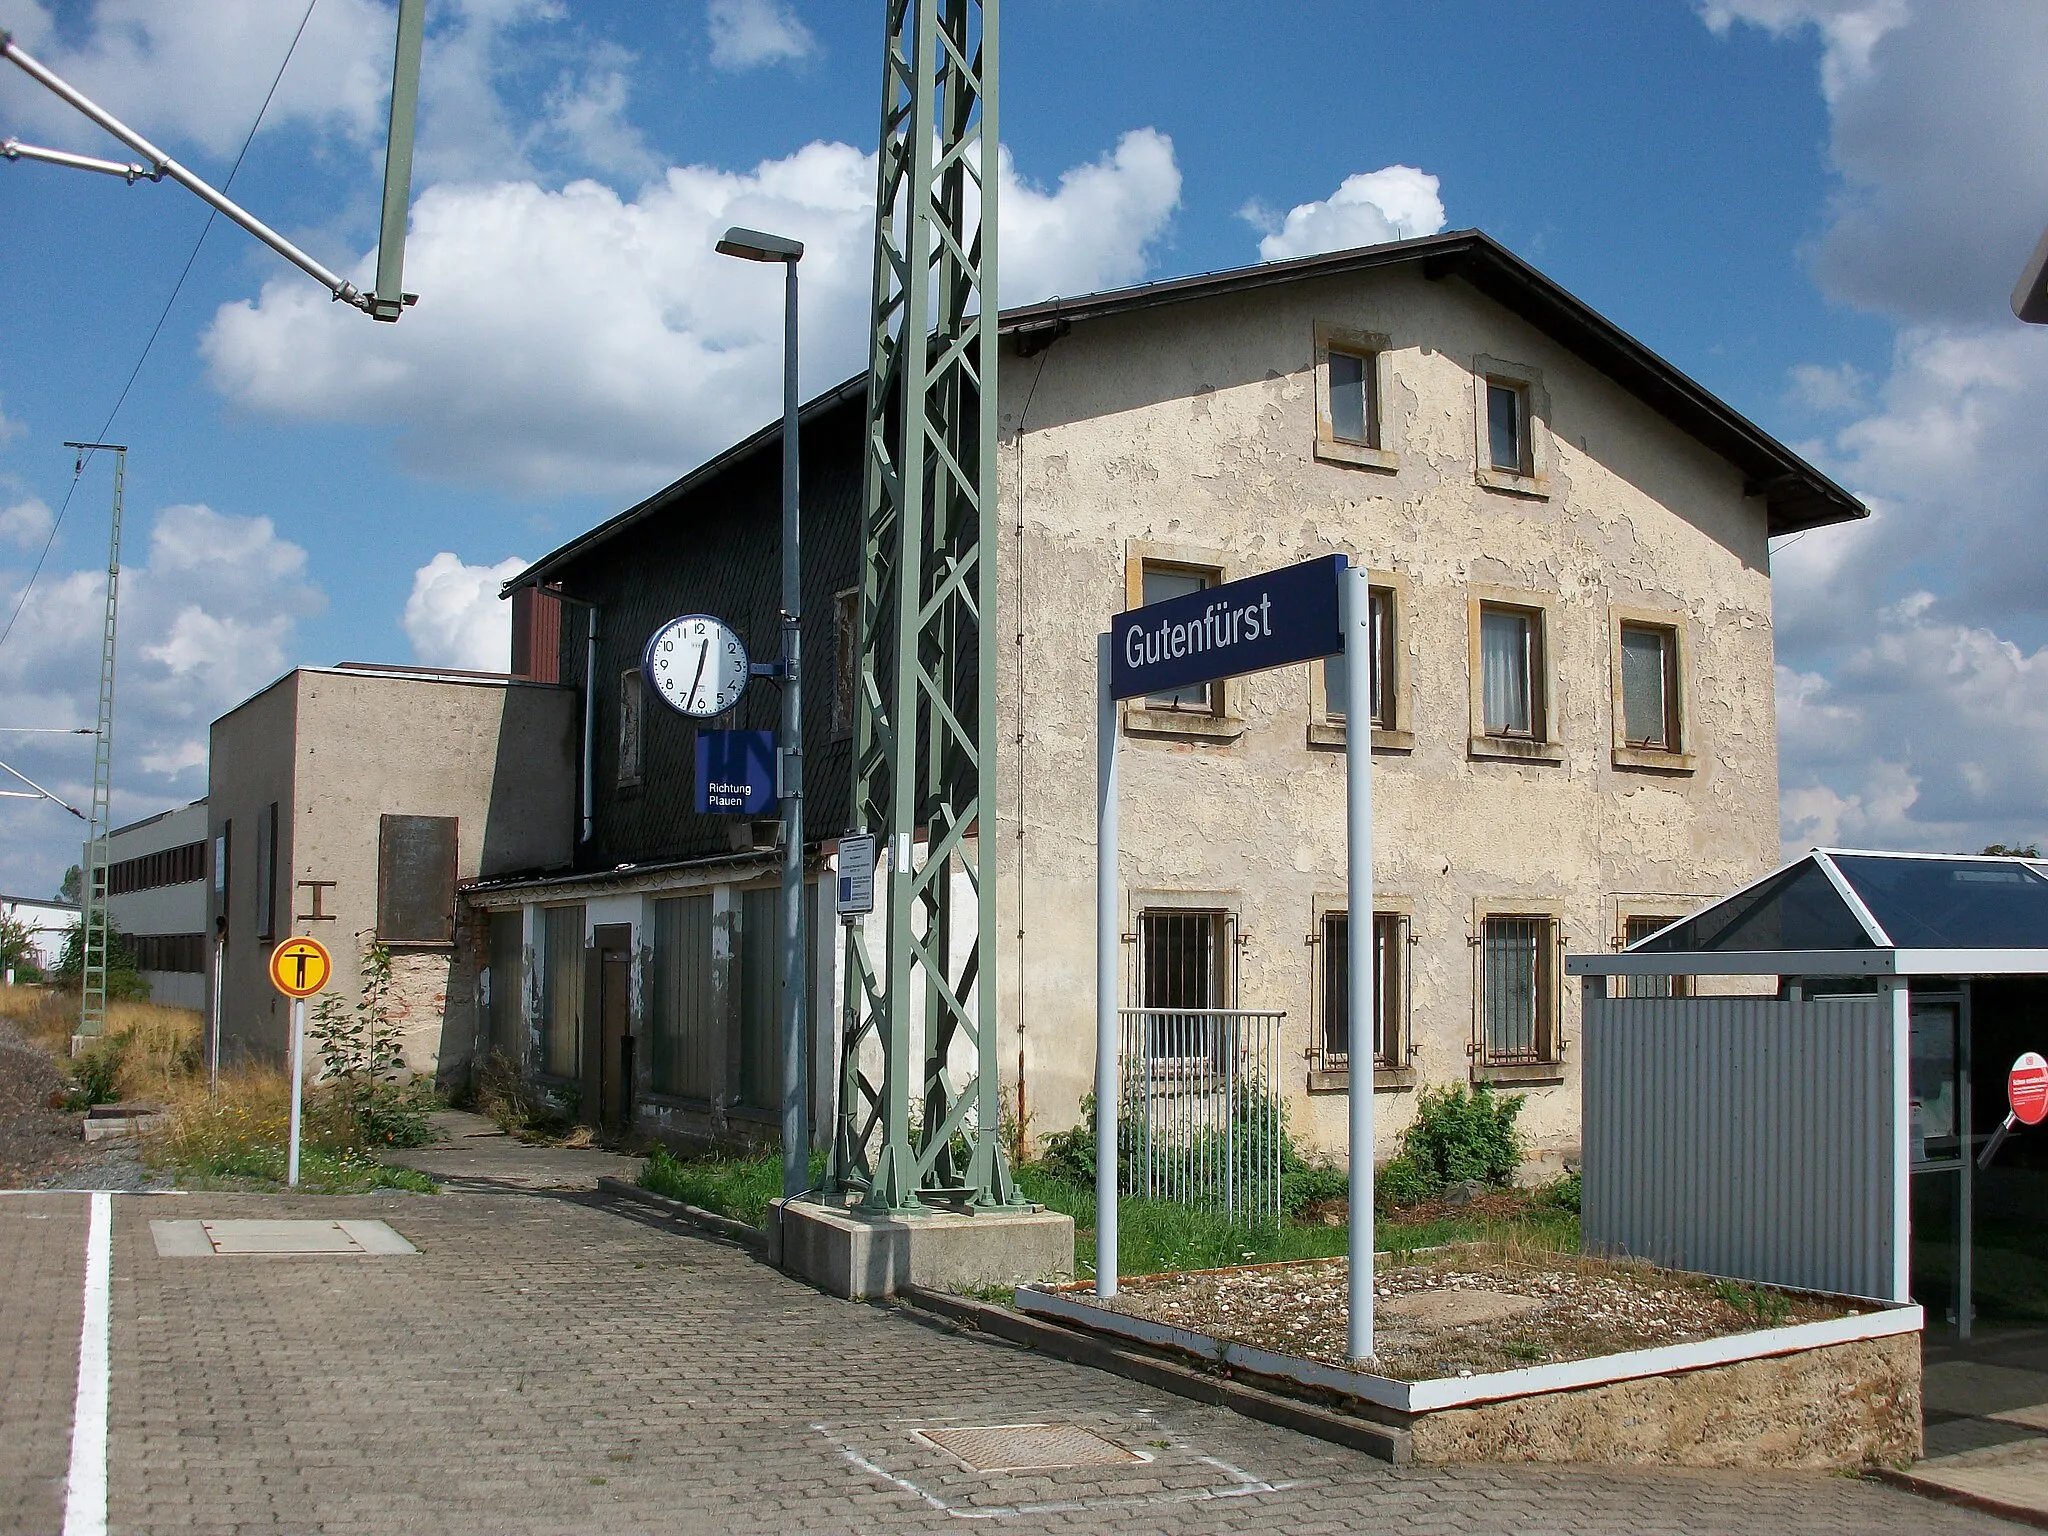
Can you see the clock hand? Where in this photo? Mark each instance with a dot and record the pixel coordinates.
(703, 656)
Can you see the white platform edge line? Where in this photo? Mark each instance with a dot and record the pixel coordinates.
(85, 1490)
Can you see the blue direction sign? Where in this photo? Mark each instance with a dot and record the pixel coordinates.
(736, 772)
(1271, 620)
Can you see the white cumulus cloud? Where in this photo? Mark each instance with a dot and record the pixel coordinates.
(579, 340)
(748, 33)
(209, 609)
(26, 523)
(455, 618)
(1397, 202)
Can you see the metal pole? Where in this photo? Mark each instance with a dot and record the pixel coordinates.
(389, 299)
(291, 1166)
(1105, 975)
(220, 949)
(1355, 611)
(796, 1163)
(589, 721)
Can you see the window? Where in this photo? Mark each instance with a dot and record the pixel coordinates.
(1649, 687)
(1517, 989)
(1162, 583)
(508, 985)
(688, 1032)
(1333, 991)
(181, 952)
(632, 728)
(1507, 433)
(561, 990)
(416, 879)
(1511, 661)
(846, 661)
(1635, 928)
(221, 846)
(1183, 966)
(266, 872)
(151, 871)
(1351, 373)
(1384, 676)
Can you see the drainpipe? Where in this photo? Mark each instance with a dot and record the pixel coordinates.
(589, 719)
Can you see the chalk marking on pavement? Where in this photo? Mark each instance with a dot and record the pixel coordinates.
(1245, 1485)
(85, 1494)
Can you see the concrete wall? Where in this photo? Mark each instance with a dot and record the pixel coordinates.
(356, 746)
(250, 762)
(1193, 430)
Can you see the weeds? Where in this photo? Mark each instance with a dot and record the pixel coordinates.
(1769, 1307)
(362, 1057)
(739, 1187)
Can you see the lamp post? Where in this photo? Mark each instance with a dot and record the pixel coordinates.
(752, 245)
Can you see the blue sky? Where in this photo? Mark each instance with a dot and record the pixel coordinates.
(1815, 207)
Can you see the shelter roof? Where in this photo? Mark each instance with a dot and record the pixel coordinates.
(1845, 912)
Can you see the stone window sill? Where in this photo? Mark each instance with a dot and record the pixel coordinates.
(1356, 455)
(1534, 487)
(1326, 733)
(1654, 760)
(1536, 1074)
(1384, 1080)
(1167, 722)
(1516, 749)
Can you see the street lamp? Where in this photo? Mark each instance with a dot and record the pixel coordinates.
(752, 245)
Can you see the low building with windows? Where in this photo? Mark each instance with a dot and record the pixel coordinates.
(1573, 724)
(346, 803)
(156, 899)
(46, 923)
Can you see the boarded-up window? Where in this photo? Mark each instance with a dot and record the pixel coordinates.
(266, 872)
(760, 996)
(689, 1032)
(561, 990)
(632, 724)
(416, 879)
(846, 661)
(508, 986)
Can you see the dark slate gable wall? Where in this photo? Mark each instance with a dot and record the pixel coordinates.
(717, 550)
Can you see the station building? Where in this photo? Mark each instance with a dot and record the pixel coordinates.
(1573, 730)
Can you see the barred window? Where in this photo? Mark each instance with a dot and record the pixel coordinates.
(1390, 1000)
(1517, 990)
(1633, 930)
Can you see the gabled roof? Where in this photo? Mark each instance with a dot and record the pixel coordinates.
(1797, 495)
(1850, 912)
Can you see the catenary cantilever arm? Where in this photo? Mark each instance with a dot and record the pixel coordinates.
(128, 170)
(162, 165)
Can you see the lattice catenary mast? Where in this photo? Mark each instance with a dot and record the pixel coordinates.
(924, 764)
(92, 991)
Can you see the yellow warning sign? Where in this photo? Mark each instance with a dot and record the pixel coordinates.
(300, 967)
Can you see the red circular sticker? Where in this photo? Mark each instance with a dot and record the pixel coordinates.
(2026, 1086)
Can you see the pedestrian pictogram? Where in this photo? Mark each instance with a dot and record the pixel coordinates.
(300, 967)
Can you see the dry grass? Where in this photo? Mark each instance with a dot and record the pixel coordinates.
(162, 1048)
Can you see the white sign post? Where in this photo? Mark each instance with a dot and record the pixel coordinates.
(1281, 618)
(299, 967)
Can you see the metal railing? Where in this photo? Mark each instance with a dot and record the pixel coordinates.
(1199, 1123)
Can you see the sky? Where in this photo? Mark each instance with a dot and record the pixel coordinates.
(1817, 208)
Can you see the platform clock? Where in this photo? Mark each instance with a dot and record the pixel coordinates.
(695, 664)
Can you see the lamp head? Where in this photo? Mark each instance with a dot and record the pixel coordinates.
(753, 245)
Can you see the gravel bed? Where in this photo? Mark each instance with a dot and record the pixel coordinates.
(1467, 1311)
(42, 1147)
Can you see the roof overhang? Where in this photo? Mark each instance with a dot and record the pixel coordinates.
(1817, 962)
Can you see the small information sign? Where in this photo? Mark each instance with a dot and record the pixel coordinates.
(736, 773)
(2026, 1088)
(857, 875)
(300, 967)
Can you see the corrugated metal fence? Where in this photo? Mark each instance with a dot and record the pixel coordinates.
(1744, 1137)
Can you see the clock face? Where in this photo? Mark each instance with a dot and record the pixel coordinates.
(696, 665)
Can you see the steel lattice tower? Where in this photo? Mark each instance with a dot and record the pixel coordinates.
(924, 764)
(93, 935)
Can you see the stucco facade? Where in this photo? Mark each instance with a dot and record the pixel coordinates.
(336, 751)
(1189, 436)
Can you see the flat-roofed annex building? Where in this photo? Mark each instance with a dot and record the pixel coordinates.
(1573, 728)
(156, 897)
(346, 803)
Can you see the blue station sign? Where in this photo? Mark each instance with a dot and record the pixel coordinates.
(1270, 620)
(736, 773)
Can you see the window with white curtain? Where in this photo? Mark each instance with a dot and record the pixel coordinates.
(1511, 663)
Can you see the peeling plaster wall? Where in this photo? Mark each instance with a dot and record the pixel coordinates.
(1194, 425)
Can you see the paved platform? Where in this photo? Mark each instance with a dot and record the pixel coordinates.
(552, 1363)
(474, 1154)
(1987, 1421)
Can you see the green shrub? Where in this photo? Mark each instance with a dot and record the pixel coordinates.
(96, 1071)
(1456, 1135)
(124, 981)
(1562, 1192)
(362, 1055)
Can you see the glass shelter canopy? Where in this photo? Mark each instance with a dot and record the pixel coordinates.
(1840, 912)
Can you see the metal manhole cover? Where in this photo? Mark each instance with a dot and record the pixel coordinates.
(1029, 1447)
(203, 1239)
